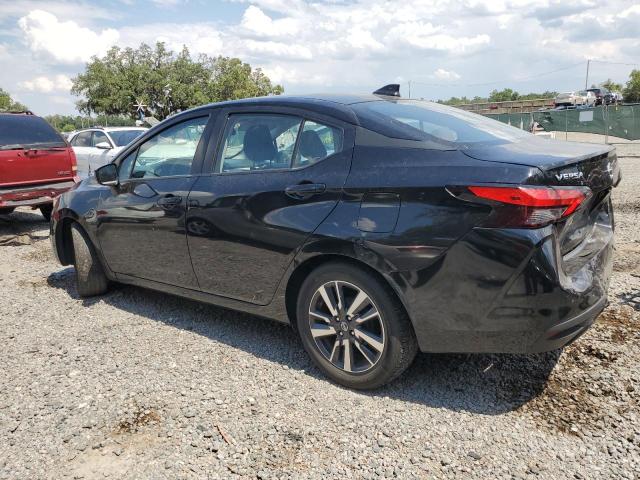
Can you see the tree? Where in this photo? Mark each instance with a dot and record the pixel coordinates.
(611, 85)
(166, 82)
(632, 90)
(504, 95)
(8, 104)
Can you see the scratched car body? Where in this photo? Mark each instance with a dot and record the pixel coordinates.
(376, 226)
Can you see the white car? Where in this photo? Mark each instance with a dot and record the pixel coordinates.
(569, 99)
(95, 147)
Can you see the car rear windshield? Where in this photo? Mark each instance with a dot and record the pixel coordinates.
(125, 137)
(421, 120)
(19, 131)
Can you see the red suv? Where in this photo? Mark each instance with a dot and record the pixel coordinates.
(36, 163)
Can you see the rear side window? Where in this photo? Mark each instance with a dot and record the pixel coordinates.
(420, 120)
(317, 142)
(259, 142)
(17, 131)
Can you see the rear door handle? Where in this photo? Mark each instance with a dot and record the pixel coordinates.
(303, 191)
(170, 201)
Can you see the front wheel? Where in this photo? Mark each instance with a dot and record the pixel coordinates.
(353, 327)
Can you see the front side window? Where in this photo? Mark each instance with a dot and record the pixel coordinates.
(83, 139)
(100, 137)
(259, 142)
(124, 169)
(170, 152)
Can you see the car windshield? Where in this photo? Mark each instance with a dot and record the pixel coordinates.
(420, 120)
(125, 137)
(19, 131)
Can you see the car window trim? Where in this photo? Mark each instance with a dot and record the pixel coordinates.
(303, 115)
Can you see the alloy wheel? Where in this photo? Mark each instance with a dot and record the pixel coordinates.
(346, 326)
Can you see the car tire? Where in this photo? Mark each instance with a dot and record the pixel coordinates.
(46, 210)
(6, 210)
(90, 277)
(357, 355)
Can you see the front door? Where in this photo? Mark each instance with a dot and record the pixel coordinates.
(141, 222)
(277, 177)
(82, 145)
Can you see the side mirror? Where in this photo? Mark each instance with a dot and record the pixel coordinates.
(107, 175)
(103, 146)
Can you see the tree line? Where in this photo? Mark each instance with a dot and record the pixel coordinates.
(630, 92)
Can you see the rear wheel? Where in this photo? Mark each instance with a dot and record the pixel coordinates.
(353, 326)
(90, 277)
(46, 210)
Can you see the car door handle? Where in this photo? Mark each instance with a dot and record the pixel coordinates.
(170, 201)
(302, 191)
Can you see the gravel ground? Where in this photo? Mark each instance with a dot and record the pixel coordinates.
(137, 384)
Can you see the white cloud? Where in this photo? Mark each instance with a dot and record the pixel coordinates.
(442, 74)
(428, 37)
(65, 41)
(257, 22)
(44, 84)
(277, 50)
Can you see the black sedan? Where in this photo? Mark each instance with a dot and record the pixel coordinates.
(375, 226)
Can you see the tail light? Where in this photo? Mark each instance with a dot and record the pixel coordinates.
(530, 206)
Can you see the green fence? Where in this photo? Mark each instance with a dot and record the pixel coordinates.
(621, 121)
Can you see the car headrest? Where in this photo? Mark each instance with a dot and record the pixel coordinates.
(311, 146)
(258, 144)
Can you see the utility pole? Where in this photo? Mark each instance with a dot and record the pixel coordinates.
(409, 88)
(586, 80)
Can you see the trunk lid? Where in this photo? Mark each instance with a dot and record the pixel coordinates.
(560, 163)
(587, 231)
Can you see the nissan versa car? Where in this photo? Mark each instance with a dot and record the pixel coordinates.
(375, 226)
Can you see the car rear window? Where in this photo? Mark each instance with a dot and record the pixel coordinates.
(17, 131)
(421, 120)
(125, 137)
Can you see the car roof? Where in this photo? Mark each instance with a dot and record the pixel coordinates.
(330, 104)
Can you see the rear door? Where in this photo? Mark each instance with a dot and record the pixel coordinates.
(141, 222)
(32, 152)
(278, 174)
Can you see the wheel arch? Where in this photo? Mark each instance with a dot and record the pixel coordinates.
(62, 236)
(304, 269)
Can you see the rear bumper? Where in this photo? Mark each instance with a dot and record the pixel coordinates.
(504, 292)
(33, 195)
(569, 330)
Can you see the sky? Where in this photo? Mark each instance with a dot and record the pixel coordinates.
(444, 48)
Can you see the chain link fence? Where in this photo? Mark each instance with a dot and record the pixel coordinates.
(610, 121)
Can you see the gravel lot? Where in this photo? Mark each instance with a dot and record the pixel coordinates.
(137, 384)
